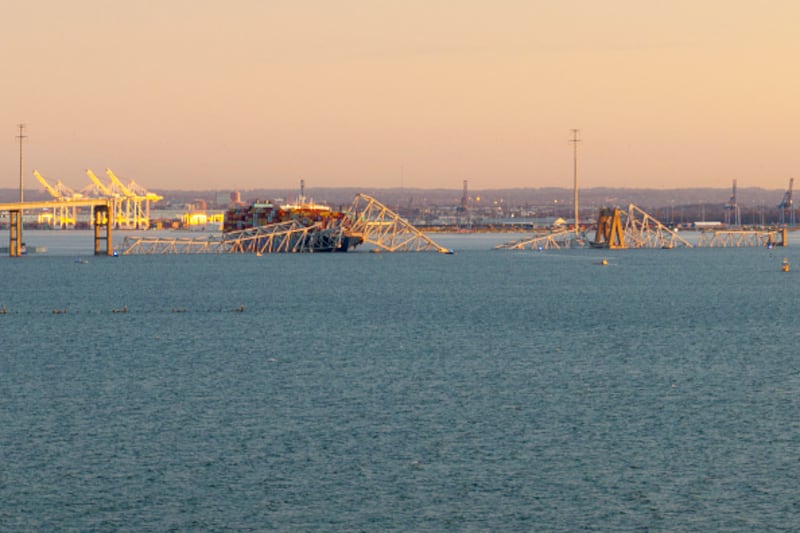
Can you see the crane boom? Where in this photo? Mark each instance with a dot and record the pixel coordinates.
(100, 185)
(786, 202)
(141, 191)
(49, 188)
(119, 184)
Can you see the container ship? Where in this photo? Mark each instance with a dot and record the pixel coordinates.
(328, 226)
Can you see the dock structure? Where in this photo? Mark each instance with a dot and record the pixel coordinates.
(742, 238)
(103, 215)
(368, 221)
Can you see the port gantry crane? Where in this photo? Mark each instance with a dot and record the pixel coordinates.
(65, 214)
(147, 196)
(99, 189)
(131, 202)
(787, 205)
(136, 208)
(733, 215)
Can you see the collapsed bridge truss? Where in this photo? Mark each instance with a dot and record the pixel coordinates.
(376, 224)
(615, 229)
(634, 228)
(288, 237)
(368, 221)
(741, 238)
(555, 240)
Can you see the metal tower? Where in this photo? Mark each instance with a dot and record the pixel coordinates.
(461, 211)
(733, 216)
(786, 204)
(575, 140)
(21, 138)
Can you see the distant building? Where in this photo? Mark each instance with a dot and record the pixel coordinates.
(706, 225)
(225, 199)
(198, 204)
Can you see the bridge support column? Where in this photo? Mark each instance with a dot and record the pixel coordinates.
(15, 233)
(103, 216)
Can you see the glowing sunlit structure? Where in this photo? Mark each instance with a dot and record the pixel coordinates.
(131, 202)
(64, 214)
(98, 189)
(135, 207)
(141, 196)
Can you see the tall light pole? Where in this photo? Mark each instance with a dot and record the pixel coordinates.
(21, 138)
(575, 140)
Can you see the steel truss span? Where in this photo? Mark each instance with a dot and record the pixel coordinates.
(550, 241)
(368, 221)
(633, 228)
(284, 237)
(644, 231)
(376, 224)
(615, 229)
(741, 238)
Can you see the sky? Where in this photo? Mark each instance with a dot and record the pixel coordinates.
(244, 94)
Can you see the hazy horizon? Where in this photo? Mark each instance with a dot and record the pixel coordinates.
(253, 95)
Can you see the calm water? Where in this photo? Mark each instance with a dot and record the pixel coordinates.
(489, 390)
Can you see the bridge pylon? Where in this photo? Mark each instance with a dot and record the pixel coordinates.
(634, 228)
(609, 233)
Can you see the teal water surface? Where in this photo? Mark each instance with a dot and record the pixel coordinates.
(488, 390)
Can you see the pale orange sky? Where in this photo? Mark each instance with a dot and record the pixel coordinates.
(416, 93)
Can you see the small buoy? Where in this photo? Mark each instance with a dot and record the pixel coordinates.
(604, 261)
(785, 264)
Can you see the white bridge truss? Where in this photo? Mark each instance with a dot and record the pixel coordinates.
(616, 229)
(284, 237)
(740, 238)
(376, 224)
(368, 221)
(549, 241)
(643, 231)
